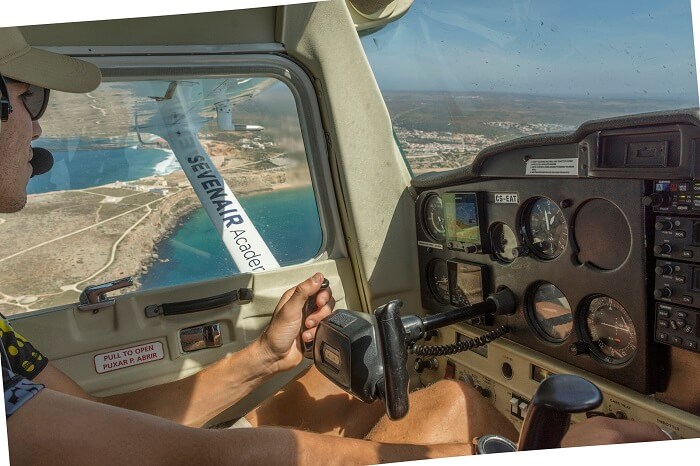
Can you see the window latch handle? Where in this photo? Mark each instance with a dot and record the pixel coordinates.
(94, 297)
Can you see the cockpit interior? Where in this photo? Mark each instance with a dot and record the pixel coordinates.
(594, 228)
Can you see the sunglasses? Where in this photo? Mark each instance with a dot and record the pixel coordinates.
(5, 107)
(35, 99)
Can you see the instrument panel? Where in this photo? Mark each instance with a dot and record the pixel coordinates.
(601, 251)
(579, 301)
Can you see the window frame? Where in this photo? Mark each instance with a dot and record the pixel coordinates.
(201, 62)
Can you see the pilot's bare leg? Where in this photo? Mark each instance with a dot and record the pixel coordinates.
(448, 411)
(314, 403)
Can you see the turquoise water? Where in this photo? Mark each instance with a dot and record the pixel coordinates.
(287, 220)
(81, 169)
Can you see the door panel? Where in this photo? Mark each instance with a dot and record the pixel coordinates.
(71, 338)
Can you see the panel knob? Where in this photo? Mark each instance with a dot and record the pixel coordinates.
(664, 292)
(578, 348)
(654, 200)
(664, 248)
(664, 270)
(663, 225)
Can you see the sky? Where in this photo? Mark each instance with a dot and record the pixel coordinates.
(590, 48)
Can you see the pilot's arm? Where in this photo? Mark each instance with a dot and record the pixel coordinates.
(54, 428)
(195, 399)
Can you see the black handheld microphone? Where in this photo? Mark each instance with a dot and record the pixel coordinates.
(41, 162)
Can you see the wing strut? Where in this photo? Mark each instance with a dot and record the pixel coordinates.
(180, 128)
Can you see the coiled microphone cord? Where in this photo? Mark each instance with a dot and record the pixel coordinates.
(454, 348)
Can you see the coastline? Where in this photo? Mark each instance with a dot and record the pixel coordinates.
(102, 233)
(174, 220)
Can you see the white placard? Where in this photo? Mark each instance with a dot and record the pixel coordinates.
(552, 167)
(426, 244)
(506, 198)
(128, 357)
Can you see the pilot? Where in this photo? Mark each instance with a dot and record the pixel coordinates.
(52, 420)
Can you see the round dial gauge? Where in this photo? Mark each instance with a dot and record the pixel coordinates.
(550, 313)
(503, 241)
(434, 217)
(610, 330)
(545, 228)
(437, 280)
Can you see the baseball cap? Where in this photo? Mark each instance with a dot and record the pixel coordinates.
(22, 62)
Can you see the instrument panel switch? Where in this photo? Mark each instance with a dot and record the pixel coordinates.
(523, 408)
(519, 406)
(514, 410)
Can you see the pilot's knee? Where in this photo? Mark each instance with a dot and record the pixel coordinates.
(455, 387)
(453, 392)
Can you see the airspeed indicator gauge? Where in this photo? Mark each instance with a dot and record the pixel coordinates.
(434, 217)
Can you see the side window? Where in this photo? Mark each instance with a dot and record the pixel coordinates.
(458, 76)
(118, 203)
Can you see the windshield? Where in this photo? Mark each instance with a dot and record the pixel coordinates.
(458, 75)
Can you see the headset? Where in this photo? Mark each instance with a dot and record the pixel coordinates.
(5, 107)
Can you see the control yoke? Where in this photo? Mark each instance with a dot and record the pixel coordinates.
(366, 354)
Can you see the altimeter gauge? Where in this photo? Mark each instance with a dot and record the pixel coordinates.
(544, 227)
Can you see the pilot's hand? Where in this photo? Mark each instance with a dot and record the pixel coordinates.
(280, 339)
(601, 430)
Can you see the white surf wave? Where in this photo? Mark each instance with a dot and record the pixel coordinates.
(167, 166)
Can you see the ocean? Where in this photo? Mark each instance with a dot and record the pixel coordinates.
(82, 169)
(287, 219)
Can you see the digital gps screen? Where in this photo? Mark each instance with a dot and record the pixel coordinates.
(462, 218)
